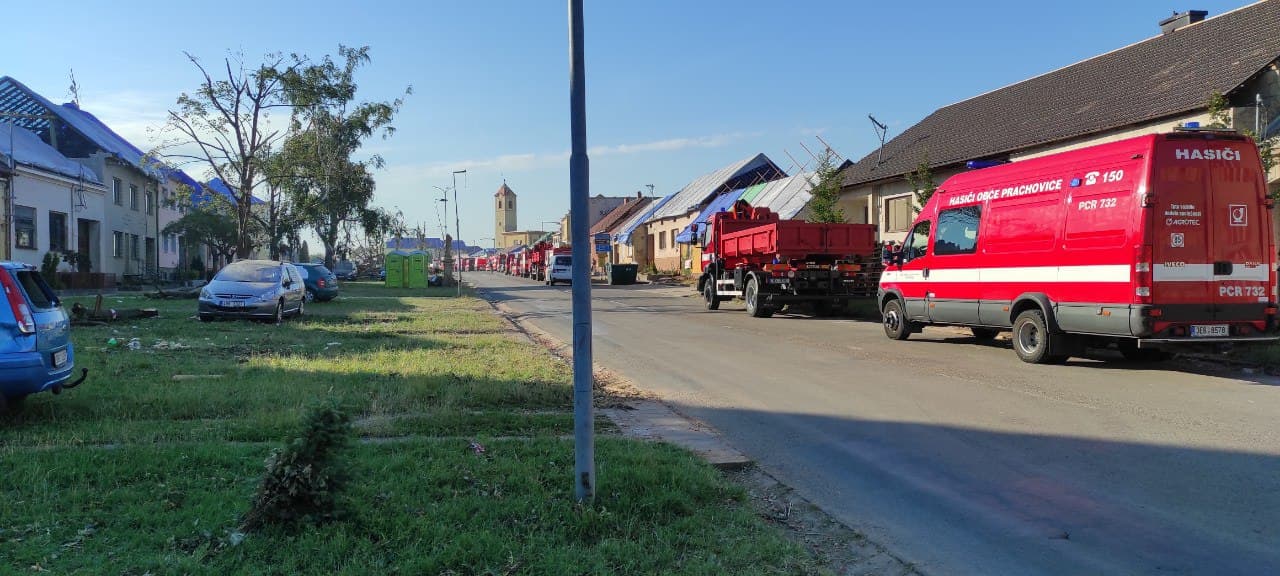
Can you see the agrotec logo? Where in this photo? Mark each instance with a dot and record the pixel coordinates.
(1238, 214)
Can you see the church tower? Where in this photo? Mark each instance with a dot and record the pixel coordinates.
(504, 213)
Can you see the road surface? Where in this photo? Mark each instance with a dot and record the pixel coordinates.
(953, 454)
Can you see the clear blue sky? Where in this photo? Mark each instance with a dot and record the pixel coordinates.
(675, 88)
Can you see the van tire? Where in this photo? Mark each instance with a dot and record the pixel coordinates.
(755, 307)
(896, 326)
(984, 334)
(1032, 339)
(709, 293)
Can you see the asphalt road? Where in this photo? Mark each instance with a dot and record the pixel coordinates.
(954, 454)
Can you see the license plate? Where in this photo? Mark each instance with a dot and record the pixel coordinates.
(59, 358)
(1203, 330)
(233, 303)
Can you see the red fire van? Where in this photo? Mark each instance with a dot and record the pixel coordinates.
(1144, 243)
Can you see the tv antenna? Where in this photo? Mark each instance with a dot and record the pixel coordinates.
(881, 132)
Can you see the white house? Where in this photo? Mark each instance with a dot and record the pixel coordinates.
(58, 204)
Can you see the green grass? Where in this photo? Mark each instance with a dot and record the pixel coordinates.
(135, 472)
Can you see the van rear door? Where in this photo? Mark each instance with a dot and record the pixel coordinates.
(1210, 243)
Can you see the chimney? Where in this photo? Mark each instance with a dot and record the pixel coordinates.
(1181, 20)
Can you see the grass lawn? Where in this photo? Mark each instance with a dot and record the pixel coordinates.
(137, 472)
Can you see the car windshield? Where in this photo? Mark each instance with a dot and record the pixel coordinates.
(249, 272)
(564, 261)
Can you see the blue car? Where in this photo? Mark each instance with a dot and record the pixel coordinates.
(35, 338)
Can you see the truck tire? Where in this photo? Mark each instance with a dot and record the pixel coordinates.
(1032, 339)
(755, 307)
(709, 292)
(984, 334)
(896, 326)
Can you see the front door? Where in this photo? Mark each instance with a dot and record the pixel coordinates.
(913, 279)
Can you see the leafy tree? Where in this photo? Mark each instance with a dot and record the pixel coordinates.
(922, 184)
(1219, 109)
(304, 253)
(329, 188)
(212, 224)
(824, 206)
(224, 125)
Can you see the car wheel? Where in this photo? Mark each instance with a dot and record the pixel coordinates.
(279, 312)
(1032, 339)
(302, 308)
(984, 334)
(896, 326)
(755, 307)
(311, 295)
(709, 292)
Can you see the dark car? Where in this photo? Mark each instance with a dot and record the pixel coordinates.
(35, 337)
(259, 289)
(322, 285)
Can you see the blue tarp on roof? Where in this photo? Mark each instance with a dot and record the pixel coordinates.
(718, 204)
(219, 187)
(29, 150)
(430, 243)
(625, 235)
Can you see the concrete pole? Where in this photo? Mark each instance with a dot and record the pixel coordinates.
(579, 184)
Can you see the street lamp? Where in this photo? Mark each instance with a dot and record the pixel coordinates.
(457, 226)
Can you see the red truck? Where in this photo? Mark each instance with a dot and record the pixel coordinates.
(1141, 244)
(537, 261)
(752, 254)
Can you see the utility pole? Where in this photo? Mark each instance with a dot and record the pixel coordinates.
(457, 233)
(584, 441)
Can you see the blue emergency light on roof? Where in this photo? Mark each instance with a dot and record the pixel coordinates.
(1191, 125)
(980, 164)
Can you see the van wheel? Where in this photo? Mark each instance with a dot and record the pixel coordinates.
(1032, 340)
(896, 326)
(752, 295)
(709, 293)
(1131, 352)
(984, 334)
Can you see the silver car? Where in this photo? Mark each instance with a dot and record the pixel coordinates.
(259, 289)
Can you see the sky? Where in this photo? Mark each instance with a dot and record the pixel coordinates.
(675, 88)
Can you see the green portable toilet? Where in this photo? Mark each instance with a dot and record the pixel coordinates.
(396, 262)
(417, 275)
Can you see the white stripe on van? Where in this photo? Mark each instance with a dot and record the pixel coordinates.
(1204, 273)
(1105, 273)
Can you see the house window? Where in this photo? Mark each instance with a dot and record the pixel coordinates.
(117, 244)
(897, 214)
(662, 241)
(134, 251)
(57, 232)
(24, 224)
(117, 191)
(151, 201)
(133, 197)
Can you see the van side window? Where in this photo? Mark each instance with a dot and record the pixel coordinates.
(917, 243)
(958, 231)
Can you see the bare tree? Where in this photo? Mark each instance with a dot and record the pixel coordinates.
(224, 126)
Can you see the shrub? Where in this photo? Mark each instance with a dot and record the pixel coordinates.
(302, 480)
(49, 269)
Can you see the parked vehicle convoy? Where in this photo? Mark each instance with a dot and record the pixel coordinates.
(559, 267)
(752, 254)
(537, 268)
(36, 354)
(1145, 243)
(321, 284)
(258, 289)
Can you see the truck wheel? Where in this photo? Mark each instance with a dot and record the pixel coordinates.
(755, 308)
(709, 292)
(1032, 340)
(896, 326)
(984, 334)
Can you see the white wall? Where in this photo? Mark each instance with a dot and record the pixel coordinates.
(45, 192)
